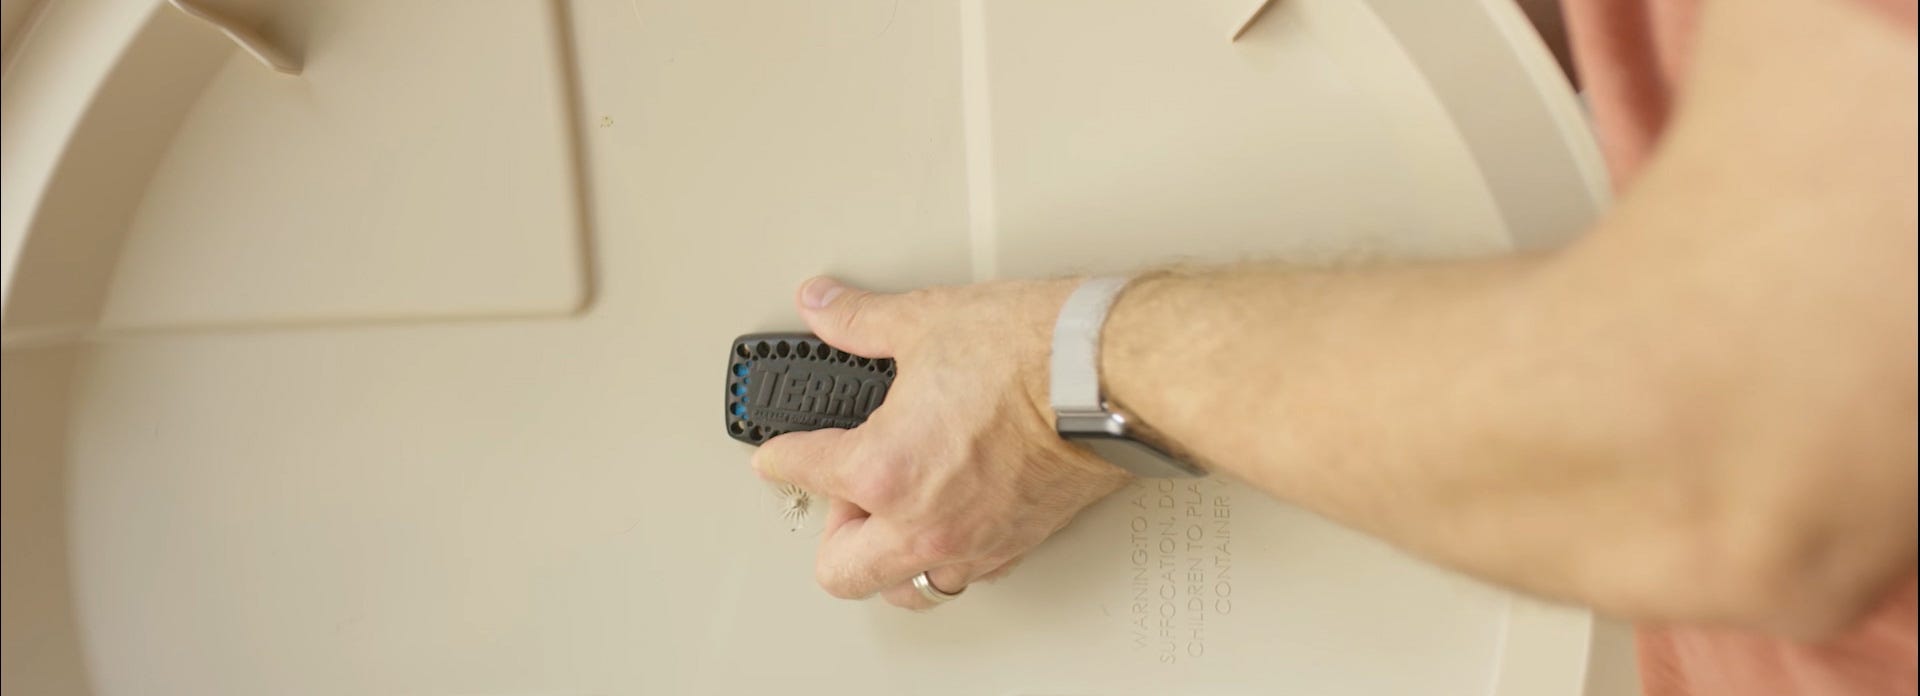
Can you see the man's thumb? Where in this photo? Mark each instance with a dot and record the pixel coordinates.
(849, 318)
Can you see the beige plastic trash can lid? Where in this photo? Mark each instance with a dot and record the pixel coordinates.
(400, 375)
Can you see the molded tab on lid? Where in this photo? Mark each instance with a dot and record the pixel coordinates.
(1252, 17)
(249, 40)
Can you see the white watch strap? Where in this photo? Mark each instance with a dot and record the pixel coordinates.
(1074, 382)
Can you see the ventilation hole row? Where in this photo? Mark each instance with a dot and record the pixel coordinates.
(784, 349)
(875, 364)
(806, 350)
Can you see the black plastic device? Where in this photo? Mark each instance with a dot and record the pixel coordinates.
(781, 383)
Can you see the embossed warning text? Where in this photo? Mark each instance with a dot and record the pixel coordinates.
(1181, 564)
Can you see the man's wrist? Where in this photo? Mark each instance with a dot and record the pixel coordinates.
(1048, 296)
(1131, 340)
(1037, 377)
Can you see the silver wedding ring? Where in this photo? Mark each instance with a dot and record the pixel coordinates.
(933, 594)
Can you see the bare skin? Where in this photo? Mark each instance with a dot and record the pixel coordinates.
(1703, 411)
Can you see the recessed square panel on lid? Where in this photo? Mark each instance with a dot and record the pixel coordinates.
(422, 165)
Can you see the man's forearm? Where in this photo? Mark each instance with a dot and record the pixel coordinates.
(1704, 410)
(1432, 405)
(1446, 408)
(1670, 445)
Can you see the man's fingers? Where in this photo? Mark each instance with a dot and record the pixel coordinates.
(839, 513)
(862, 558)
(949, 579)
(1001, 571)
(854, 320)
(814, 460)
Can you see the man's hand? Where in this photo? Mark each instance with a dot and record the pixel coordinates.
(960, 471)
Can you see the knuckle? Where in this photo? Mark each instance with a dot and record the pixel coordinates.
(942, 543)
(879, 483)
(854, 311)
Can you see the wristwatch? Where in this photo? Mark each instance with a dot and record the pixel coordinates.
(1080, 410)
